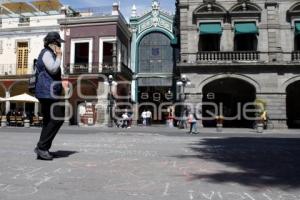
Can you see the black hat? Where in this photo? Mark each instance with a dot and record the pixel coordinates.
(53, 37)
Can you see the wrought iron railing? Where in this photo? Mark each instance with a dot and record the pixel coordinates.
(89, 68)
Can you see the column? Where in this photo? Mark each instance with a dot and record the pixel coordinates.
(274, 32)
(276, 108)
(114, 55)
(7, 103)
(184, 33)
(133, 90)
(133, 50)
(119, 55)
(36, 108)
(67, 113)
(102, 104)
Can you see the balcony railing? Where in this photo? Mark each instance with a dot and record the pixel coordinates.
(89, 68)
(228, 56)
(12, 70)
(83, 68)
(296, 56)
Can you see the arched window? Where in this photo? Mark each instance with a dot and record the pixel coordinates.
(209, 32)
(155, 54)
(293, 16)
(210, 36)
(210, 9)
(293, 12)
(245, 38)
(297, 36)
(246, 9)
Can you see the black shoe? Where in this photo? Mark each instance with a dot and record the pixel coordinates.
(43, 155)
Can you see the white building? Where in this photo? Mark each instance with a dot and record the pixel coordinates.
(23, 27)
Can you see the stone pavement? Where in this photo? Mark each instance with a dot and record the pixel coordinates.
(151, 163)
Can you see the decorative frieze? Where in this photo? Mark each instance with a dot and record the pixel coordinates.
(155, 21)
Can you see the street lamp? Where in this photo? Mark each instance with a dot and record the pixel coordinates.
(182, 82)
(111, 82)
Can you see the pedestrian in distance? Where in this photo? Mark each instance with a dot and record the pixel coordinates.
(148, 117)
(170, 119)
(48, 88)
(193, 123)
(144, 118)
(125, 120)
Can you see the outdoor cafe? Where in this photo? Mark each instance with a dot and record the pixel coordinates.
(21, 117)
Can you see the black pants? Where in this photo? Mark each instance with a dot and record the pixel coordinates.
(50, 125)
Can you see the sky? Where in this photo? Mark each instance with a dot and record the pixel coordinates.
(125, 5)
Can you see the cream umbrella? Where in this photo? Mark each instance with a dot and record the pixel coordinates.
(26, 98)
(23, 98)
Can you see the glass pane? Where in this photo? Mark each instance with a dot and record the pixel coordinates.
(155, 54)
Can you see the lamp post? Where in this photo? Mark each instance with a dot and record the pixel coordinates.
(182, 82)
(111, 83)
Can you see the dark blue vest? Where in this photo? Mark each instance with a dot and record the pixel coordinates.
(46, 81)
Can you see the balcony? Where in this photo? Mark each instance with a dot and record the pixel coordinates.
(222, 57)
(91, 68)
(228, 56)
(24, 21)
(8, 69)
(96, 68)
(83, 68)
(296, 56)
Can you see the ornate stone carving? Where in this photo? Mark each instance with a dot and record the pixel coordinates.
(155, 20)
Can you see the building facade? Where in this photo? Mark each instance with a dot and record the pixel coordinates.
(23, 27)
(237, 51)
(97, 45)
(152, 60)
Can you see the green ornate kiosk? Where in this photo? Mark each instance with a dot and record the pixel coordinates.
(152, 60)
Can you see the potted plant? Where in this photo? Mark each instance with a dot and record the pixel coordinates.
(260, 126)
(219, 120)
(260, 107)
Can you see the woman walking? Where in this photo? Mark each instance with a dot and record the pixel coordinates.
(48, 88)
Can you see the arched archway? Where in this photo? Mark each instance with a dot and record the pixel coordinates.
(292, 105)
(18, 88)
(156, 64)
(228, 96)
(155, 54)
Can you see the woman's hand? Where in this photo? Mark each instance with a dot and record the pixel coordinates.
(65, 84)
(58, 51)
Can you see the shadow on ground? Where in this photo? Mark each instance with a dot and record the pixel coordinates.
(63, 154)
(258, 161)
